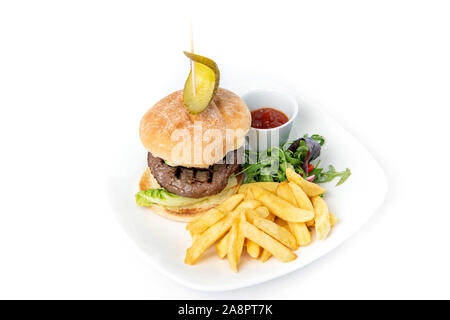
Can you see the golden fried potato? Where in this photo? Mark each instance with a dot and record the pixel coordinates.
(248, 195)
(333, 219)
(206, 220)
(230, 203)
(284, 192)
(280, 222)
(232, 246)
(263, 212)
(269, 186)
(311, 189)
(253, 249)
(236, 242)
(249, 204)
(251, 215)
(213, 215)
(286, 225)
(301, 198)
(207, 238)
(300, 232)
(281, 208)
(265, 255)
(291, 191)
(311, 223)
(222, 246)
(276, 231)
(322, 218)
(267, 242)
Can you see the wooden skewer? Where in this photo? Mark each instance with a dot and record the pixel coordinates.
(192, 63)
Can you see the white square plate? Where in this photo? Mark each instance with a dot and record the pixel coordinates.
(164, 242)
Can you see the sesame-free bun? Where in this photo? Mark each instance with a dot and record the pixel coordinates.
(164, 128)
(188, 213)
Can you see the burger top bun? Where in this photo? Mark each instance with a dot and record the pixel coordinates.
(170, 132)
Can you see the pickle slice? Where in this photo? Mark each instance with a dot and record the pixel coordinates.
(207, 78)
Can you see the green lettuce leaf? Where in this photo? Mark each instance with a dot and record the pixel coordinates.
(163, 197)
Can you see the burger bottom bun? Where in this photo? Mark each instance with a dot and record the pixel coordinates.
(188, 213)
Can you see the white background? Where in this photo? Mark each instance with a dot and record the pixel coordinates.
(76, 76)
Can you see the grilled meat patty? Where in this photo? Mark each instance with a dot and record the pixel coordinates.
(192, 182)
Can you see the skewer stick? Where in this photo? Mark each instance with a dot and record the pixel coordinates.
(192, 62)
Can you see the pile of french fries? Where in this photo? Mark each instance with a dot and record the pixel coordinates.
(267, 218)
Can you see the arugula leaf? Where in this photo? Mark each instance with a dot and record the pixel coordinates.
(331, 174)
(317, 170)
(344, 177)
(319, 139)
(291, 159)
(316, 137)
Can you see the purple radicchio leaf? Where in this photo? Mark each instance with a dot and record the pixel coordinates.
(313, 152)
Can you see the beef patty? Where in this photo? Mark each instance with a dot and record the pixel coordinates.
(192, 182)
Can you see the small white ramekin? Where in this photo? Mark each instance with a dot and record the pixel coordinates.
(262, 139)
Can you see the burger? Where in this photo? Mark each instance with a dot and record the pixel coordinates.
(193, 159)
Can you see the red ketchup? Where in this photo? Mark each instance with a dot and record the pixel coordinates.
(267, 118)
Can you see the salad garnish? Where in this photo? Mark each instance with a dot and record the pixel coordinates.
(271, 165)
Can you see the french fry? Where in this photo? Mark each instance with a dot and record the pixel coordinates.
(235, 242)
(205, 221)
(281, 208)
(196, 250)
(248, 195)
(269, 186)
(207, 238)
(258, 212)
(281, 222)
(232, 244)
(231, 203)
(311, 189)
(210, 217)
(251, 215)
(286, 225)
(333, 219)
(284, 192)
(253, 249)
(300, 232)
(263, 212)
(276, 231)
(265, 255)
(311, 223)
(222, 246)
(267, 242)
(295, 193)
(301, 198)
(322, 218)
(248, 204)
